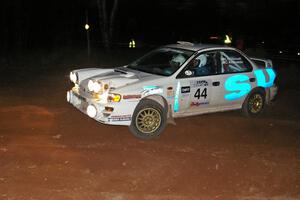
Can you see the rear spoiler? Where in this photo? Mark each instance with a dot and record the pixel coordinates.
(262, 63)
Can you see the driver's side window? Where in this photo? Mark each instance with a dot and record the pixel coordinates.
(204, 64)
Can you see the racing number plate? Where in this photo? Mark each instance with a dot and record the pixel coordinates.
(200, 92)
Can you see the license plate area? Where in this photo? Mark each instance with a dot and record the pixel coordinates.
(80, 102)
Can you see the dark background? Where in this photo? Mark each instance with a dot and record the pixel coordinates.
(50, 24)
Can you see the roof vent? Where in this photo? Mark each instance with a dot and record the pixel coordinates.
(185, 43)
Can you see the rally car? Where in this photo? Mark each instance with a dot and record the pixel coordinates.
(176, 80)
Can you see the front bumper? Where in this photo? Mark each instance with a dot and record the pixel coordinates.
(121, 114)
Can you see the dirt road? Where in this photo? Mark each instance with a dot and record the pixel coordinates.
(51, 151)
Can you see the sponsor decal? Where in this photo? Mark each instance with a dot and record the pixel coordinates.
(176, 99)
(200, 83)
(156, 91)
(147, 90)
(150, 87)
(238, 85)
(115, 118)
(186, 89)
(196, 104)
(132, 96)
(261, 77)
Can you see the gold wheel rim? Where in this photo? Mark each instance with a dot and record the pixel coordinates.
(256, 103)
(148, 120)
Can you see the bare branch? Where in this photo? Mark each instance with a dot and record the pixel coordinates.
(106, 22)
(112, 17)
(104, 13)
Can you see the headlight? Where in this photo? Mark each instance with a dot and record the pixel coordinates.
(73, 77)
(114, 97)
(94, 86)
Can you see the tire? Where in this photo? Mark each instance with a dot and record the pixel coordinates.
(254, 104)
(149, 120)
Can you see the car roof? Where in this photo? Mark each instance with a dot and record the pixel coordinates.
(194, 47)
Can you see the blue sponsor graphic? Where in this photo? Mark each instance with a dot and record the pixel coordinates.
(176, 99)
(238, 84)
(150, 87)
(261, 78)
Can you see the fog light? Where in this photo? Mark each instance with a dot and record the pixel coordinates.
(91, 111)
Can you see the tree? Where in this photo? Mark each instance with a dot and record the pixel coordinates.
(106, 15)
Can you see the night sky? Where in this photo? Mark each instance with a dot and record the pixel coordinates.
(28, 24)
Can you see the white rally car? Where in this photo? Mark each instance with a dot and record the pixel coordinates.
(173, 81)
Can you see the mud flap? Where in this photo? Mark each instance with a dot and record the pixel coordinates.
(170, 119)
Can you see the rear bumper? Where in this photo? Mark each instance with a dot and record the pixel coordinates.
(271, 93)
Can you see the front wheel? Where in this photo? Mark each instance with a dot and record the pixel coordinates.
(254, 104)
(148, 120)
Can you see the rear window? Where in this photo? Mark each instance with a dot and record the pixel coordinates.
(260, 64)
(232, 62)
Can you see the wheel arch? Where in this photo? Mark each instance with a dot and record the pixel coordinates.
(158, 102)
(257, 89)
(159, 99)
(162, 101)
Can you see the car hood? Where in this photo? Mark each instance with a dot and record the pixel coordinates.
(119, 77)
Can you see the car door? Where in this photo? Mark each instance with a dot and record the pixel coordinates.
(236, 80)
(199, 83)
(215, 81)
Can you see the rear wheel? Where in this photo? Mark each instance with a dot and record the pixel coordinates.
(254, 103)
(148, 120)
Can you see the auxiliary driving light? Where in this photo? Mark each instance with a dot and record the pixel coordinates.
(68, 96)
(97, 87)
(91, 111)
(73, 77)
(94, 86)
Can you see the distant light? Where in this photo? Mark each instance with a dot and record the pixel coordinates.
(298, 53)
(87, 27)
(132, 43)
(227, 40)
(280, 52)
(263, 42)
(214, 37)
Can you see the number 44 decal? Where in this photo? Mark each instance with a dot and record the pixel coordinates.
(200, 93)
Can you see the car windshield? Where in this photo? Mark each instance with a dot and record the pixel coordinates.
(163, 61)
